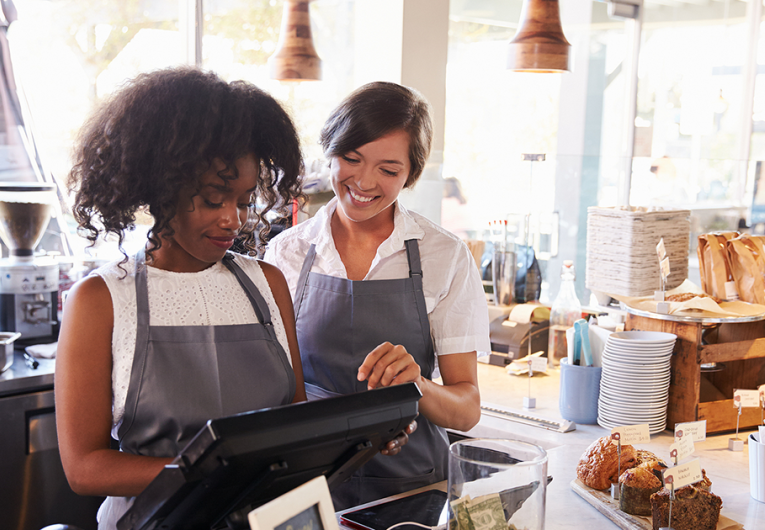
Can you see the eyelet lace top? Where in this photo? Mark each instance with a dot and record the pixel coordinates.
(210, 297)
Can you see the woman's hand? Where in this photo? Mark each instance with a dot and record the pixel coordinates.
(394, 446)
(389, 365)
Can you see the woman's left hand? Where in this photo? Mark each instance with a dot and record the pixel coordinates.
(394, 446)
(388, 364)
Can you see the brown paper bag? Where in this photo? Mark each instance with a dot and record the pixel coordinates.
(714, 264)
(747, 262)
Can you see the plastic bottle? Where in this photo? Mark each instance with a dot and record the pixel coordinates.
(566, 310)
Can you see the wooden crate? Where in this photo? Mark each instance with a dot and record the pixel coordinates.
(741, 346)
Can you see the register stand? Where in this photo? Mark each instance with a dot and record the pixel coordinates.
(727, 353)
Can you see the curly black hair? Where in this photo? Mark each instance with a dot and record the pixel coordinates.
(154, 138)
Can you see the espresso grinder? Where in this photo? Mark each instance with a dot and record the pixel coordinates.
(28, 283)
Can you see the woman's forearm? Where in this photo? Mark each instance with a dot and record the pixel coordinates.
(113, 473)
(455, 406)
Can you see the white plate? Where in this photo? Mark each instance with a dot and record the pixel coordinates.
(635, 394)
(653, 428)
(651, 363)
(636, 373)
(631, 417)
(636, 408)
(638, 347)
(643, 337)
(651, 352)
(647, 383)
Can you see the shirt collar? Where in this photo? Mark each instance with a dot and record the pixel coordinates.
(405, 227)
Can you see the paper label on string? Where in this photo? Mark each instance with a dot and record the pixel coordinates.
(746, 398)
(660, 250)
(731, 293)
(665, 267)
(631, 434)
(683, 474)
(697, 430)
(539, 364)
(681, 449)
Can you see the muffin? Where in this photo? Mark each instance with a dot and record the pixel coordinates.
(598, 467)
(636, 485)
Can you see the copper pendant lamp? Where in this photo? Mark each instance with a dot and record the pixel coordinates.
(295, 58)
(539, 45)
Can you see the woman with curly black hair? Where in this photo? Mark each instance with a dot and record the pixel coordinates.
(154, 345)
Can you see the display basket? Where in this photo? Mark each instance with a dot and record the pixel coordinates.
(621, 249)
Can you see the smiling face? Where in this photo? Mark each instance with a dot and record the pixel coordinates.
(367, 180)
(206, 223)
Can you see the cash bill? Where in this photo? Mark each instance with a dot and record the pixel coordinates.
(461, 520)
(486, 513)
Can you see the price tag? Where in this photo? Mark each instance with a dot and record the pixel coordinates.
(665, 267)
(683, 474)
(539, 364)
(696, 430)
(631, 434)
(746, 398)
(660, 250)
(731, 293)
(681, 449)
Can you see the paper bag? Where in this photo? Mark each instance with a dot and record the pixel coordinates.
(714, 264)
(747, 262)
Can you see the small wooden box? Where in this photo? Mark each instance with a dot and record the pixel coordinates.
(693, 394)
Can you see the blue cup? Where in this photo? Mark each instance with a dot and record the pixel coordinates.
(579, 391)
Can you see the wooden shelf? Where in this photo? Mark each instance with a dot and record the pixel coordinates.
(741, 346)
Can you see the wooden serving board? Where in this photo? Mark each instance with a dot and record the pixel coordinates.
(603, 502)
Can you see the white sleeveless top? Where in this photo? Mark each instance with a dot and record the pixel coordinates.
(210, 297)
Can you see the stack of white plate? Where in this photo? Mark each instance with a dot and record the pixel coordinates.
(634, 384)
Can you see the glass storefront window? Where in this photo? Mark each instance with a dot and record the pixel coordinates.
(67, 55)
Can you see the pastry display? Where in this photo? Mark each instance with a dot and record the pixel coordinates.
(599, 467)
(642, 493)
(694, 508)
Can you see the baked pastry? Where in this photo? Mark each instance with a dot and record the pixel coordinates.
(694, 508)
(684, 297)
(636, 485)
(642, 456)
(598, 467)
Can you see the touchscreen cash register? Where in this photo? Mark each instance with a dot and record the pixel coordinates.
(237, 463)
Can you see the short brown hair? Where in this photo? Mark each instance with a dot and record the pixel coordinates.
(377, 109)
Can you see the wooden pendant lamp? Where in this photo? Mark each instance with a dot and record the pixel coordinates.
(295, 58)
(539, 45)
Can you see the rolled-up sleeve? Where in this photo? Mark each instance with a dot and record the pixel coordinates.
(459, 321)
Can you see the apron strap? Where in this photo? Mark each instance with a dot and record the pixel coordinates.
(256, 299)
(141, 290)
(141, 343)
(415, 273)
(303, 278)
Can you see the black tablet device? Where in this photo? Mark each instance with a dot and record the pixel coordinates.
(240, 462)
(428, 508)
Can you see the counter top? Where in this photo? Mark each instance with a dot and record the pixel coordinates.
(729, 471)
(22, 378)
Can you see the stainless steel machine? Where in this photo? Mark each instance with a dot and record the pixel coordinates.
(28, 282)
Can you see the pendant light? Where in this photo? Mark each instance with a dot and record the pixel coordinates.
(539, 45)
(295, 58)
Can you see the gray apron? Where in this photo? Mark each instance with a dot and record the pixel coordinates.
(183, 376)
(339, 322)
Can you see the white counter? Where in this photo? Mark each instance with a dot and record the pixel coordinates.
(729, 471)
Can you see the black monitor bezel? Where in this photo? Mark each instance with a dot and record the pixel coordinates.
(343, 432)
